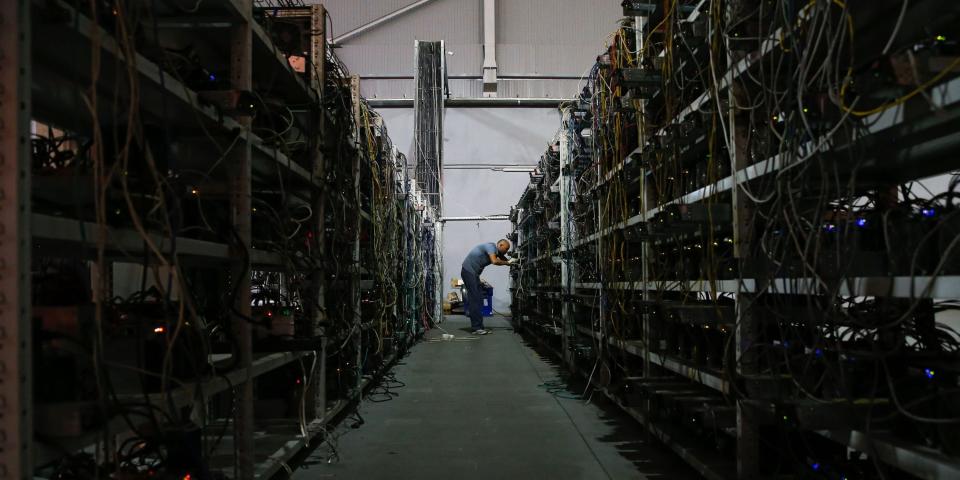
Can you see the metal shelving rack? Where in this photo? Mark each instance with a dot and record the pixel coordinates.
(46, 76)
(598, 293)
(16, 421)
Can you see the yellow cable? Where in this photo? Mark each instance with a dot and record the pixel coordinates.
(666, 16)
(901, 100)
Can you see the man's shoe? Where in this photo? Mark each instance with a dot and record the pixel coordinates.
(480, 331)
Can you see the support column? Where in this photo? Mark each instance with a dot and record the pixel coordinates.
(748, 430)
(566, 241)
(241, 78)
(16, 416)
(318, 54)
(358, 222)
(438, 270)
(318, 51)
(640, 24)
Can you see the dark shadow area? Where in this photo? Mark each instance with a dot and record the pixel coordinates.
(486, 408)
(631, 439)
(381, 389)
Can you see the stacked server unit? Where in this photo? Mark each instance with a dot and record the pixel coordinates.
(744, 233)
(211, 247)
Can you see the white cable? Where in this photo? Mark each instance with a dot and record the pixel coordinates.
(896, 28)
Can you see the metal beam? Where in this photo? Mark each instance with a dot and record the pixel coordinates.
(527, 76)
(475, 102)
(199, 23)
(497, 167)
(380, 21)
(507, 102)
(390, 102)
(497, 217)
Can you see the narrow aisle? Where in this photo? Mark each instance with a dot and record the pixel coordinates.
(478, 407)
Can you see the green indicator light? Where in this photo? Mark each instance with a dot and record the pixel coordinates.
(941, 38)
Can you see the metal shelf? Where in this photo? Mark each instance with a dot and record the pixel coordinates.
(941, 287)
(874, 123)
(598, 235)
(163, 97)
(265, 51)
(708, 463)
(186, 394)
(917, 460)
(914, 459)
(276, 461)
(878, 125)
(267, 59)
(698, 375)
(892, 147)
(546, 256)
(180, 397)
(699, 101)
(128, 243)
(215, 141)
(693, 286)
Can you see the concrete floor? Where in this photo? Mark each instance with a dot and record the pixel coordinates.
(477, 408)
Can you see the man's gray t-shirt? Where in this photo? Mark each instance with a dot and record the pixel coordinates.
(479, 257)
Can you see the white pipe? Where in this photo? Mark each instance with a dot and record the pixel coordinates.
(379, 21)
(489, 48)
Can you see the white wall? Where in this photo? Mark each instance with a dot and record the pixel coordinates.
(481, 135)
(545, 45)
(548, 43)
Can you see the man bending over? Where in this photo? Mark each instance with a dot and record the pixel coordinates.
(478, 259)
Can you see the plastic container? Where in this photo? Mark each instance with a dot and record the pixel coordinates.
(486, 309)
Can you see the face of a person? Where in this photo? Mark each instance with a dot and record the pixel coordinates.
(503, 247)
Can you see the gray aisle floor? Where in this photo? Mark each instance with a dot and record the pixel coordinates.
(478, 408)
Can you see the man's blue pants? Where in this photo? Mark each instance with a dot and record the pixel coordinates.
(475, 295)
